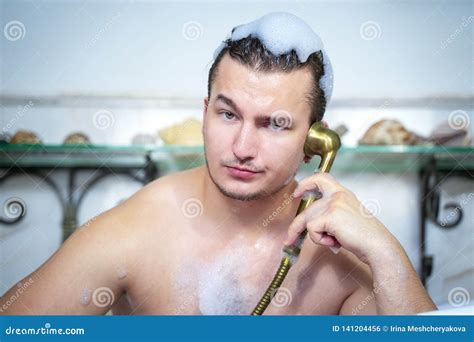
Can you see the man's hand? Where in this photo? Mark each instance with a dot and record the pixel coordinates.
(340, 219)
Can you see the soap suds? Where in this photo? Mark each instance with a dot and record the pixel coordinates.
(282, 32)
(223, 285)
(121, 273)
(86, 296)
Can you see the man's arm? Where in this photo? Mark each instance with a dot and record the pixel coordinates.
(85, 276)
(340, 219)
(396, 289)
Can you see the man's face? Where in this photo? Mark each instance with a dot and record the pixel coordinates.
(255, 125)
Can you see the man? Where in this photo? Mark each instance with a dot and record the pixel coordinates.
(207, 241)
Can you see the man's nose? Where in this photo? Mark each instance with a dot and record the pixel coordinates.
(245, 143)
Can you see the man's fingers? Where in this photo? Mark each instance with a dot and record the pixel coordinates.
(322, 182)
(296, 227)
(317, 231)
(300, 221)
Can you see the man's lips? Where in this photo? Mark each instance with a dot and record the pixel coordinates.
(241, 172)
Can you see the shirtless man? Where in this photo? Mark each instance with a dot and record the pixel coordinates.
(207, 241)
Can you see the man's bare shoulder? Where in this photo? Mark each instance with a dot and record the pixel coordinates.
(161, 195)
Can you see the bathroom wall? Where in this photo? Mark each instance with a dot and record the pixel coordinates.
(151, 59)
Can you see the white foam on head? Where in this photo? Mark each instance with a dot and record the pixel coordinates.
(282, 32)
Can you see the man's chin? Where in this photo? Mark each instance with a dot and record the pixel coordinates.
(241, 195)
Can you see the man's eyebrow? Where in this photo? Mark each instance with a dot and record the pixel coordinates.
(261, 118)
(228, 101)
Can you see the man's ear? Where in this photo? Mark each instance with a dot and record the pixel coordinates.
(206, 104)
(204, 114)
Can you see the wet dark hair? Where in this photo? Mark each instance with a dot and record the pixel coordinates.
(251, 52)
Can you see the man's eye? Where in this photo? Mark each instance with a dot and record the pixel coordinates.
(228, 115)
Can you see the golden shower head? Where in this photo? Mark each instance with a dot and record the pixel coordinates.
(323, 142)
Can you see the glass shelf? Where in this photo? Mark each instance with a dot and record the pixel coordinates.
(397, 158)
(69, 156)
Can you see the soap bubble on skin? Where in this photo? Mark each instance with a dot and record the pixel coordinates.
(86, 296)
(282, 32)
(221, 290)
(121, 273)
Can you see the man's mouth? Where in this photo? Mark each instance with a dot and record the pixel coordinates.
(242, 173)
